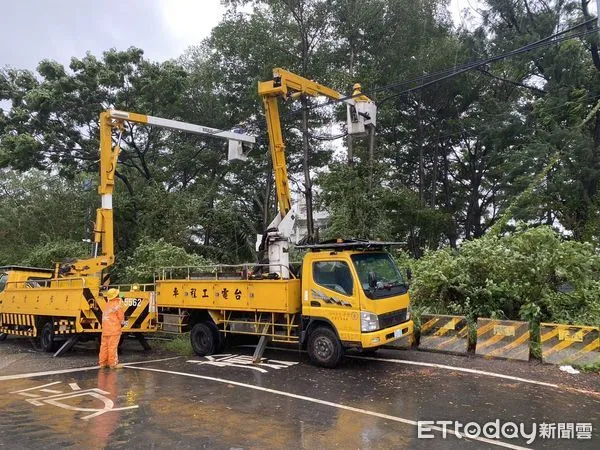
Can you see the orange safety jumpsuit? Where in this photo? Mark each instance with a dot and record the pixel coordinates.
(112, 318)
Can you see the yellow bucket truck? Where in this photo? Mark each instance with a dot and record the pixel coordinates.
(347, 294)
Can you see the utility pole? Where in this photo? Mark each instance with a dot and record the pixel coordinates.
(598, 15)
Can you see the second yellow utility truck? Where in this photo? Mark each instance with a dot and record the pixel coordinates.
(57, 307)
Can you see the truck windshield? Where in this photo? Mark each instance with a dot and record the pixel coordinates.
(378, 275)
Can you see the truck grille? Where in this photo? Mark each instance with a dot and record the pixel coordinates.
(392, 318)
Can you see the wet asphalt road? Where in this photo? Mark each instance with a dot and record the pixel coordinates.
(225, 402)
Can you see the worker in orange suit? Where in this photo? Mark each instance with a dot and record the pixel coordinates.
(113, 318)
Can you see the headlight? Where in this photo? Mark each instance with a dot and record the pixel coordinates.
(368, 322)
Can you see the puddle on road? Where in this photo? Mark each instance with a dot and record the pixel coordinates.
(59, 411)
(176, 411)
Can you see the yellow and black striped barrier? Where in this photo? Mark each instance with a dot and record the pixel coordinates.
(569, 344)
(444, 333)
(17, 324)
(503, 339)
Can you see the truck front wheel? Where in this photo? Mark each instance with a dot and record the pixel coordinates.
(324, 348)
(204, 338)
(47, 337)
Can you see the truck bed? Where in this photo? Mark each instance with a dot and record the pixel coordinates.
(281, 296)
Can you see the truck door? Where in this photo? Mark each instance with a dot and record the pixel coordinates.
(333, 296)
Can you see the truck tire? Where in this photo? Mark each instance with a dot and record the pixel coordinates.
(204, 338)
(47, 337)
(3, 336)
(324, 348)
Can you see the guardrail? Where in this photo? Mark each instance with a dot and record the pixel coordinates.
(505, 339)
(48, 283)
(222, 272)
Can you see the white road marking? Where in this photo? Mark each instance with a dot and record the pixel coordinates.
(36, 387)
(77, 369)
(74, 386)
(458, 369)
(151, 361)
(323, 402)
(437, 366)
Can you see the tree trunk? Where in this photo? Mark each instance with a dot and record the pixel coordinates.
(421, 156)
(371, 156)
(310, 227)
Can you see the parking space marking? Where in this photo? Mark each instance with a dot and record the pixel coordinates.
(59, 398)
(323, 402)
(76, 369)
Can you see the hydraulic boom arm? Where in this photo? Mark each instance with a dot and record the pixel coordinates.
(287, 85)
(361, 113)
(103, 234)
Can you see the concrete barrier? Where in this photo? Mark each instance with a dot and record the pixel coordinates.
(405, 342)
(507, 339)
(444, 333)
(569, 344)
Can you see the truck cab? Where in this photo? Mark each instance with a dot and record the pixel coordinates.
(355, 290)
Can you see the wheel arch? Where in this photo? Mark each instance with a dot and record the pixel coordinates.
(196, 316)
(311, 324)
(40, 321)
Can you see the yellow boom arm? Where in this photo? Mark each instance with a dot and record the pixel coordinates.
(289, 85)
(103, 237)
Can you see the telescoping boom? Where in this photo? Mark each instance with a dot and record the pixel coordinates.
(103, 234)
(361, 115)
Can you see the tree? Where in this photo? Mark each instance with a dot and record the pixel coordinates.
(35, 228)
(532, 274)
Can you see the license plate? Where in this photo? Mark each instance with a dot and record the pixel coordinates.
(397, 333)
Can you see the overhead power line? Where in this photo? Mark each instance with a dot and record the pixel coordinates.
(430, 79)
(442, 75)
(486, 62)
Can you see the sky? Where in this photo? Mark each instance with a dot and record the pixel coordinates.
(32, 30)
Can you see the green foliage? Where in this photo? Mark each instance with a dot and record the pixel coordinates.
(180, 345)
(356, 211)
(151, 255)
(43, 218)
(45, 255)
(363, 208)
(591, 367)
(531, 275)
